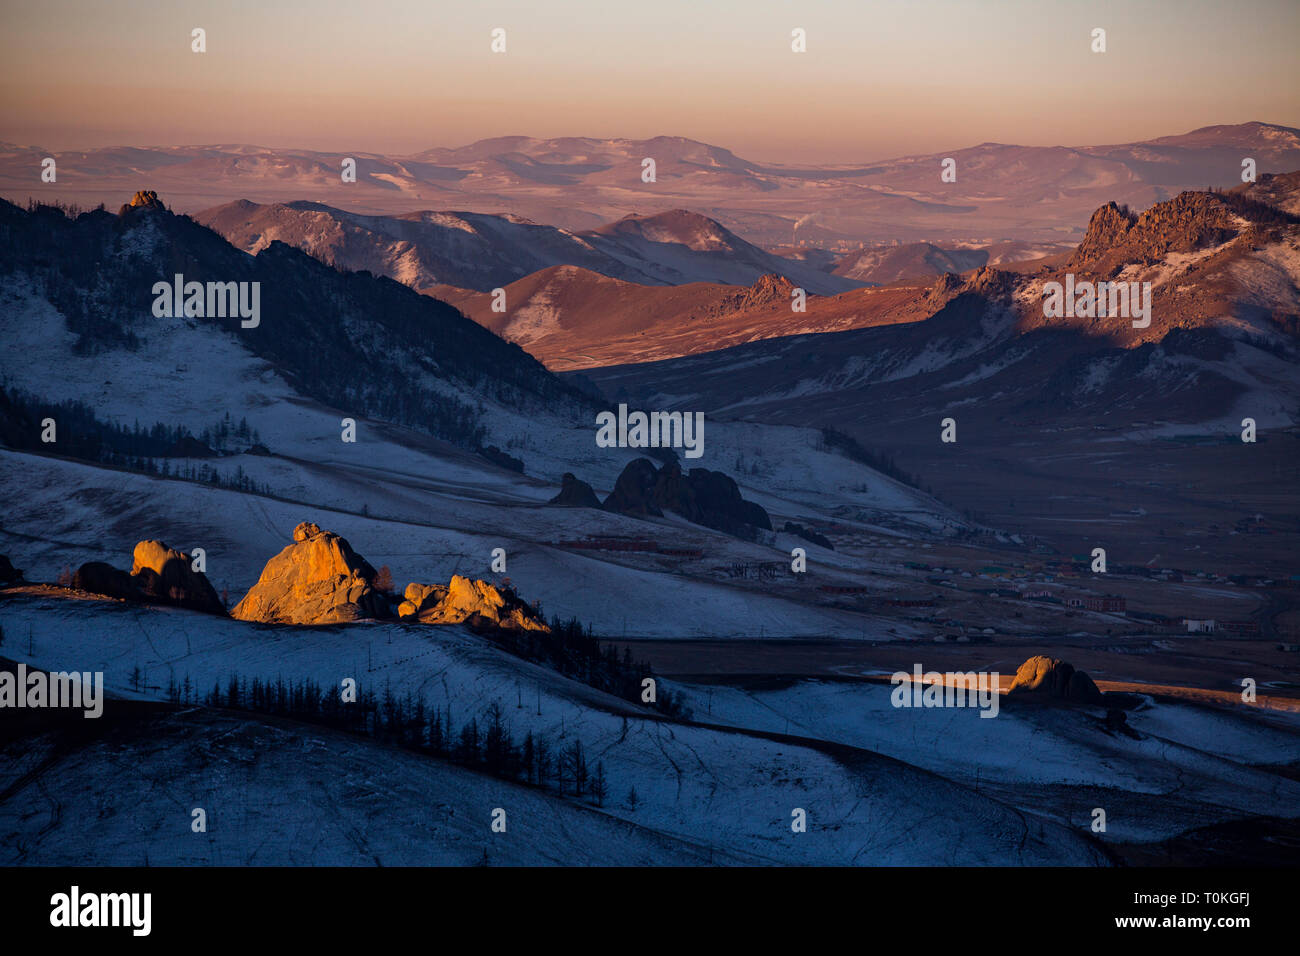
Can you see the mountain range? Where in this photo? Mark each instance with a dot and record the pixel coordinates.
(1027, 193)
(1071, 434)
(483, 252)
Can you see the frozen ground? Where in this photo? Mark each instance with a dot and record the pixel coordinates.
(731, 789)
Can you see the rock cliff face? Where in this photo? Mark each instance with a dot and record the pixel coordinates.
(318, 579)
(1057, 678)
(466, 601)
(1186, 223)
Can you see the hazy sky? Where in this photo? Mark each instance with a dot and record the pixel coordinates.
(880, 78)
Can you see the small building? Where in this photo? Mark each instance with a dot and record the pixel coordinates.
(1199, 627)
(1108, 603)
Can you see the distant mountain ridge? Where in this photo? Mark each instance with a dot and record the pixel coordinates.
(482, 252)
(1040, 193)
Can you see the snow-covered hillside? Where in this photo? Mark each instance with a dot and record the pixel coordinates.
(733, 791)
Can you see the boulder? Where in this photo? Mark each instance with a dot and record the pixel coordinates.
(167, 576)
(100, 578)
(8, 573)
(418, 597)
(474, 602)
(575, 493)
(1055, 678)
(318, 579)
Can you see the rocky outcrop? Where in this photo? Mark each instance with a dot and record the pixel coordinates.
(167, 576)
(575, 493)
(767, 289)
(144, 199)
(468, 601)
(633, 493)
(992, 283)
(159, 575)
(1106, 229)
(8, 573)
(98, 577)
(1186, 223)
(318, 579)
(1056, 678)
(709, 498)
(419, 596)
(944, 290)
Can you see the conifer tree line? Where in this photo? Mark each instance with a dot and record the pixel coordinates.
(148, 450)
(573, 649)
(483, 741)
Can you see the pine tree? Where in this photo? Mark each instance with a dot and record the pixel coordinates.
(543, 760)
(529, 758)
(495, 740)
(578, 764)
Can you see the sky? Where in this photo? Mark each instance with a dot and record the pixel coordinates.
(879, 78)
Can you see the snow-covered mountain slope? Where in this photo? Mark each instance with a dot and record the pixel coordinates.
(483, 252)
(1167, 780)
(285, 794)
(366, 345)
